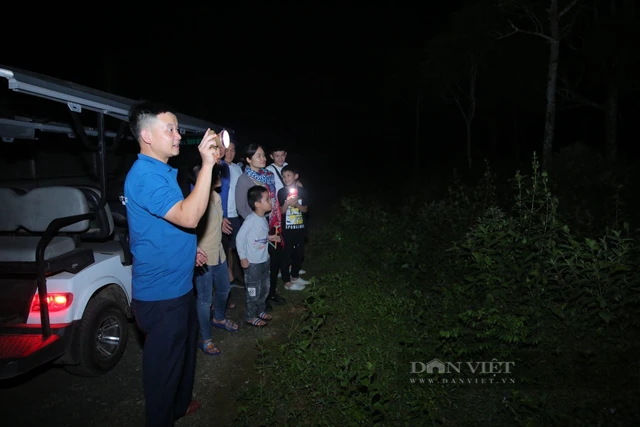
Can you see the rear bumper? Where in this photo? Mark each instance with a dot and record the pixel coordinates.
(23, 348)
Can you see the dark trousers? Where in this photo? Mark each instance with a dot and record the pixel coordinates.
(256, 282)
(294, 252)
(278, 263)
(169, 356)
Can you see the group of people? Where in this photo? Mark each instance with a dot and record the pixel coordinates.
(186, 249)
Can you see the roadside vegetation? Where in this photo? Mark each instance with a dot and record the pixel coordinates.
(534, 270)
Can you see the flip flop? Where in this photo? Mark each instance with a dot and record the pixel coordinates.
(228, 325)
(257, 322)
(265, 316)
(210, 349)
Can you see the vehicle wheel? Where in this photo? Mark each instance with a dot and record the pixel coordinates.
(102, 338)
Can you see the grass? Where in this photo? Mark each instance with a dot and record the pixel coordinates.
(346, 362)
(377, 303)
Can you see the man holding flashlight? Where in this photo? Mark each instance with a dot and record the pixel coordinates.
(164, 252)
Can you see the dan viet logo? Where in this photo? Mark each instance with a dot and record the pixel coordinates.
(439, 372)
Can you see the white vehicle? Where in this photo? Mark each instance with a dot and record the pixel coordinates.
(65, 264)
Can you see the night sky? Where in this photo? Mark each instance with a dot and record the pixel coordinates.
(327, 83)
(269, 73)
(334, 85)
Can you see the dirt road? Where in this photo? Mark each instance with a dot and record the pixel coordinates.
(52, 397)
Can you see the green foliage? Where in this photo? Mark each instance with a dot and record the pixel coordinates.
(462, 278)
(525, 280)
(341, 364)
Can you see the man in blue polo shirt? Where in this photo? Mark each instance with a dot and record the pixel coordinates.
(163, 245)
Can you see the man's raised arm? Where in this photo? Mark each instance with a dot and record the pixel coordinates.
(187, 213)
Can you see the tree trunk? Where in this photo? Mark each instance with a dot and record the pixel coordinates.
(469, 144)
(475, 63)
(611, 136)
(493, 149)
(416, 160)
(552, 86)
(516, 136)
(468, 115)
(613, 94)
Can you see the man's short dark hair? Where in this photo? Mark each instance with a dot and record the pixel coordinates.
(142, 112)
(255, 195)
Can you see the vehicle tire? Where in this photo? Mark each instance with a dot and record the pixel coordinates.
(102, 338)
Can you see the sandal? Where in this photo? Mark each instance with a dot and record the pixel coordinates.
(256, 321)
(228, 325)
(265, 316)
(210, 349)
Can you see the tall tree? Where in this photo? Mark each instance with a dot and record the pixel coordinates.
(523, 18)
(606, 69)
(453, 61)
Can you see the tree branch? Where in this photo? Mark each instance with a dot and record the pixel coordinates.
(500, 36)
(564, 32)
(520, 30)
(464, 114)
(577, 100)
(533, 18)
(568, 8)
(572, 106)
(460, 89)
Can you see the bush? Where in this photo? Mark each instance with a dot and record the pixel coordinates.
(476, 275)
(524, 280)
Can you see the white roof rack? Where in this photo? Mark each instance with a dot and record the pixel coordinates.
(79, 97)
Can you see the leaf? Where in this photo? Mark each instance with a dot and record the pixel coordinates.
(325, 309)
(606, 316)
(304, 344)
(558, 312)
(378, 407)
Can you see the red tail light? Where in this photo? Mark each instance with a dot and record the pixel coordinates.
(55, 301)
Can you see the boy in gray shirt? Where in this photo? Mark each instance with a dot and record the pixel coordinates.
(252, 245)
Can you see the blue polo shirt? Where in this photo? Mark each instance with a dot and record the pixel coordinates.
(225, 183)
(163, 254)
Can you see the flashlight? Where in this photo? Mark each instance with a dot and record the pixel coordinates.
(222, 138)
(226, 139)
